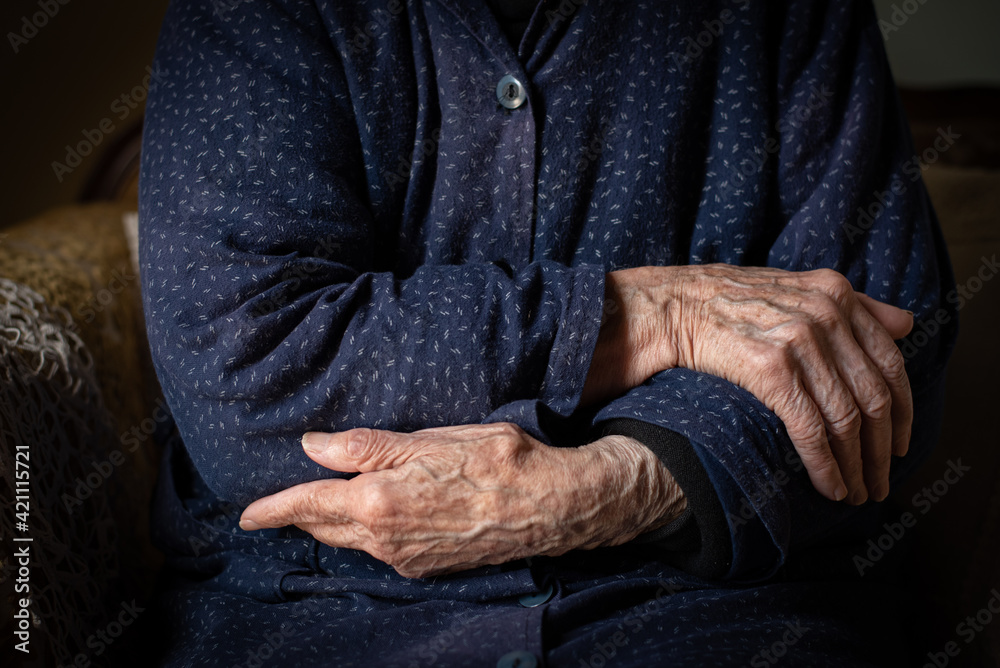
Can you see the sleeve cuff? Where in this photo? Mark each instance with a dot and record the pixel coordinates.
(698, 541)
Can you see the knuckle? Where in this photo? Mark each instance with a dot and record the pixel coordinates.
(894, 368)
(828, 313)
(511, 448)
(376, 507)
(508, 450)
(361, 442)
(509, 430)
(879, 403)
(809, 437)
(846, 424)
(800, 332)
(278, 514)
(787, 402)
(779, 361)
(834, 283)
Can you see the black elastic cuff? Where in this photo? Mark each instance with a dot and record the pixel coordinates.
(698, 541)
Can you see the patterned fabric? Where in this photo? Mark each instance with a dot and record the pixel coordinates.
(341, 227)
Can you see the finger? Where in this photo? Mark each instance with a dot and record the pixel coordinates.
(873, 400)
(806, 429)
(897, 322)
(347, 534)
(842, 423)
(361, 450)
(318, 501)
(883, 353)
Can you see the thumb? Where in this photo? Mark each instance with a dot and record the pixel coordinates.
(360, 450)
(896, 321)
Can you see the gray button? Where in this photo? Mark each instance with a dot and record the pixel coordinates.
(534, 600)
(517, 660)
(511, 93)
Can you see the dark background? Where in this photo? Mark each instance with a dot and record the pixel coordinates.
(62, 82)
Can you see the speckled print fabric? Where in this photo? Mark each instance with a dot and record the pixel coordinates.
(342, 227)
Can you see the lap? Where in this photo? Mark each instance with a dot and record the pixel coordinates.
(640, 618)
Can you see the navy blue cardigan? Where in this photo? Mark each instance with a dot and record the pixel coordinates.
(342, 227)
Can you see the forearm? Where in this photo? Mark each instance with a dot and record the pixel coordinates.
(644, 494)
(446, 499)
(272, 312)
(698, 540)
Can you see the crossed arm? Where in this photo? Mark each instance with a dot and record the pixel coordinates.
(814, 351)
(272, 312)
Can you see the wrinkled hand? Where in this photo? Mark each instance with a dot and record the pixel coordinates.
(452, 498)
(814, 351)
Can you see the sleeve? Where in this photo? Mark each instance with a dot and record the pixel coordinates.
(689, 541)
(851, 198)
(270, 302)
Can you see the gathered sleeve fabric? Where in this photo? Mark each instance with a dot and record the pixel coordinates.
(848, 196)
(272, 303)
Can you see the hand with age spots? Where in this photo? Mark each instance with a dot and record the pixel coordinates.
(452, 498)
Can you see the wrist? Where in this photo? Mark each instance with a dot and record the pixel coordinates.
(646, 320)
(641, 493)
(638, 331)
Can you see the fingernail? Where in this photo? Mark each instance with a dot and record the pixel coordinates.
(859, 497)
(881, 492)
(249, 525)
(314, 441)
(910, 312)
(841, 493)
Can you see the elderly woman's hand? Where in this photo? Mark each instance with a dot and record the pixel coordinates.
(814, 351)
(452, 498)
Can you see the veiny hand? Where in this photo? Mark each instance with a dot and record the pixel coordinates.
(452, 498)
(814, 351)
